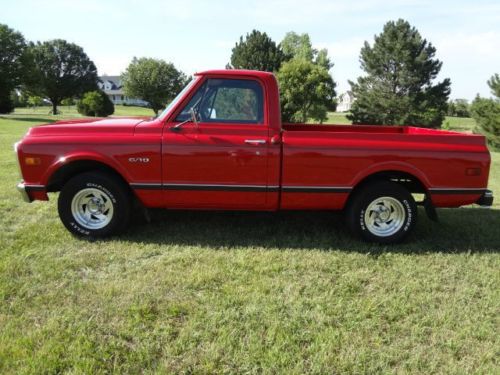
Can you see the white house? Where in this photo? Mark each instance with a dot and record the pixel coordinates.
(345, 102)
(112, 86)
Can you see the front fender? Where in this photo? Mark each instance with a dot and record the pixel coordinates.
(67, 159)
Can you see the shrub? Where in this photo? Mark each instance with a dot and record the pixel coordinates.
(35, 101)
(95, 103)
(68, 102)
(6, 103)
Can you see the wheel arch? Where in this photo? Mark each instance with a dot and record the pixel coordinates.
(410, 181)
(71, 168)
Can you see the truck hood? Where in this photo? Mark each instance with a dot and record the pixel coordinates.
(87, 126)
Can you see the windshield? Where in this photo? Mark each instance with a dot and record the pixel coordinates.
(178, 97)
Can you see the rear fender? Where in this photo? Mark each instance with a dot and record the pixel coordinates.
(391, 166)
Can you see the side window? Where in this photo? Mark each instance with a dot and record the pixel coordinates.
(227, 100)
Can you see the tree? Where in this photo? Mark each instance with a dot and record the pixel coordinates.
(307, 91)
(95, 103)
(258, 51)
(35, 101)
(152, 80)
(298, 46)
(452, 110)
(306, 87)
(458, 108)
(398, 86)
(60, 70)
(68, 102)
(494, 83)
(486, 112)
(12, 65)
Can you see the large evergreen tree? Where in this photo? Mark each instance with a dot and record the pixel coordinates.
(12, 64)
(258, 52)
(154, 81)
(60, 70)
(398, 86)
(486, 112)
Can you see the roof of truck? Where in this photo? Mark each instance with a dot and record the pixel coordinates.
(233, 72)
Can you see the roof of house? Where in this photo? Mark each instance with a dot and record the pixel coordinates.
(349, 94)
(114, 80)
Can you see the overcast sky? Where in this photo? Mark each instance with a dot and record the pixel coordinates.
(197, 35)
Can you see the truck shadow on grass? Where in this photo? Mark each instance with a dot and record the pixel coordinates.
(459, 230)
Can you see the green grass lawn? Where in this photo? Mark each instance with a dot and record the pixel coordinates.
(70, 111)
(211, 292)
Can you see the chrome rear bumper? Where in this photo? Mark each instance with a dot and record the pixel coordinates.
(486, 199)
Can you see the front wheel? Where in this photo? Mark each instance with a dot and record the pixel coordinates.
(383, 212)
(94, 205)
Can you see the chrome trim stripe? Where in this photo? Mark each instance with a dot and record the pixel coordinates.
(211, 187)
(456, 191)
(145, 186)
(203, 187)
(34, 187)
(255, 188)
(317, 189)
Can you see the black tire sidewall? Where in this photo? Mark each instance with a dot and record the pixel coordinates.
(371, 193)
(108, 185)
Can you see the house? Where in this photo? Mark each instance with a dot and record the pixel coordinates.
(112, 86)
(345, 102)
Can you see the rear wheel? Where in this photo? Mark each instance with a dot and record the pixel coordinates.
(94, 205)
(383, 212)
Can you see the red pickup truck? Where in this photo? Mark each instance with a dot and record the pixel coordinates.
(220, 144)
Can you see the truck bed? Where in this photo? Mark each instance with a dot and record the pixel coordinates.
(338, 157)
(391, 133)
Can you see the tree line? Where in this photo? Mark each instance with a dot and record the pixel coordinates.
(62, 73)
(398, 85)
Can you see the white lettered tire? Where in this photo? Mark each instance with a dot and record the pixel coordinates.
(94, 205)
(382, 212)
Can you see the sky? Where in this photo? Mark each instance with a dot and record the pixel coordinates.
(197, 35)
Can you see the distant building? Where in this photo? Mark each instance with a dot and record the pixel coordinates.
(345, 102)
(112, 86)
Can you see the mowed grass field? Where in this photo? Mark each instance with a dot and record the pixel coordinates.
(225, 292)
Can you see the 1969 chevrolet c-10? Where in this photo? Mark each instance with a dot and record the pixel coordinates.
(220, 144)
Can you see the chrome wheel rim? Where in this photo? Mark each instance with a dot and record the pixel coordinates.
(385, 216)
(92, 208)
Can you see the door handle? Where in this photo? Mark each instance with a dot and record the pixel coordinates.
(255, 141)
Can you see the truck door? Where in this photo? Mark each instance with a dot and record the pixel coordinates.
(219, 161)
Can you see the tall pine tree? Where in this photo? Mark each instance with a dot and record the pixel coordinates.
(398, 86)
